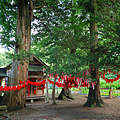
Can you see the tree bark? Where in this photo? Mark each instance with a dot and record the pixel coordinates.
(94, 98)
(53, 92)
(16, 99)
(47, 96)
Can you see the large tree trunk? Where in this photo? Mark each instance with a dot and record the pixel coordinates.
(94, 97)
(16, 99)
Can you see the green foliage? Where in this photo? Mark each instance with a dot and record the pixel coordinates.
(116, 94)
(22, 56)
(4, 61)
(114, 85)
(61, 45)
(70, 32)
(8, 21)
(108, 28)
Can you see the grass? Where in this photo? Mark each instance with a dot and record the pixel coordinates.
(85, 90)
(102, 92)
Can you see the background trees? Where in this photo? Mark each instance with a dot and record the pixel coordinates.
(3, 60)
(78, 36)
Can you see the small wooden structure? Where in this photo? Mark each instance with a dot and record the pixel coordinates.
(35, 74)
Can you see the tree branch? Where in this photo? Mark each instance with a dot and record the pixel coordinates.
(48, 9)
(38, 7)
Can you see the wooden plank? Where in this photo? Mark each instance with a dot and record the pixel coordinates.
(35, 97)
(36, 76)
(105, 88)
(47, 96)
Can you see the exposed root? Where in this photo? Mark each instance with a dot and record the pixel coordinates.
(65, 95)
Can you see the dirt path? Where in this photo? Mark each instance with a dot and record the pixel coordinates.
(67, 110)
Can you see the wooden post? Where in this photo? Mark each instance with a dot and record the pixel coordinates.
(47, 96)
(57, 90)
(37, 80)
(110, 93)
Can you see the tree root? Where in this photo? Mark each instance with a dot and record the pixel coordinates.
(65, 95)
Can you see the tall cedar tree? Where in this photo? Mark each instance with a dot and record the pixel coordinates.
(94, 97)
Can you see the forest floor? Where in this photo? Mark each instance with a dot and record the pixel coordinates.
(66, 110)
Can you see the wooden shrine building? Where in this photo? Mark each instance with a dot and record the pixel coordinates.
(35, 74)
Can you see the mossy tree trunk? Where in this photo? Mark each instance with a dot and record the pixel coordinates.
(16, 99)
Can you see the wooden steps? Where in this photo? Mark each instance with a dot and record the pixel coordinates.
(35, 97)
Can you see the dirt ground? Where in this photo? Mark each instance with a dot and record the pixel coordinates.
(67, 110)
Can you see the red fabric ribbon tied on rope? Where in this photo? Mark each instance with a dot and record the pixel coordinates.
(1, 88)
(19, 87)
